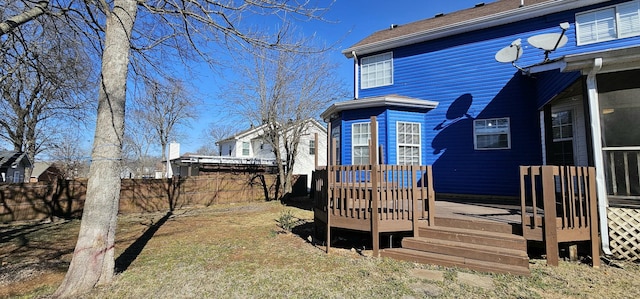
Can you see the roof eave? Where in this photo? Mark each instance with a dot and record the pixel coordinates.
(612, 60)
(511, 16)
(384, 101)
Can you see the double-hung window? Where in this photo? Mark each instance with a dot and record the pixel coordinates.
(408, 143)
(360, 136)
(562, 146)
(312, 147)
(609, 23)
(245, 148)
(376, 70)
(491, 133)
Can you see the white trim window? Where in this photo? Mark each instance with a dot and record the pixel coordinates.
(376, 70)
(360, 136)
(408, 138)
(245, 148)
(312, 147)
(609, 23)
(562, 125)
(493, 133)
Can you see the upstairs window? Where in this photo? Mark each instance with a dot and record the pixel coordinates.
(312, 147)
(408, 143)
(376, 70)
(492, 134)
(245, 148)
(360, 136)
(609, 23)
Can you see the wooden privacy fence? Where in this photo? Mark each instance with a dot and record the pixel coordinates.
(559, 204)
(374, 198)
(65, 199)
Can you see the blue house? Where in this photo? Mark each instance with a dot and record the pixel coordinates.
(479, 92)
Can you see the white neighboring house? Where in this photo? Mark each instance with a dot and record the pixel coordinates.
(250, 148)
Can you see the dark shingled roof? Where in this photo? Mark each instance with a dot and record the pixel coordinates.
(445, 20)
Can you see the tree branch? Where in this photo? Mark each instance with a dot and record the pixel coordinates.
(19, 19)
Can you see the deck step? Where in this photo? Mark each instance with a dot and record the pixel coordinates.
(466, 243)
(468, 251)
(478, 225)
(470, 236)
(453, 261)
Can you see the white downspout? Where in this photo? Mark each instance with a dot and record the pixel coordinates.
(601, 187)
(356, 71)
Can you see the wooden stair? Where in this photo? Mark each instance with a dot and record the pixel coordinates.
(477, 245)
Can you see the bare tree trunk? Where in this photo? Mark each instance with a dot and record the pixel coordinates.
(93, 258)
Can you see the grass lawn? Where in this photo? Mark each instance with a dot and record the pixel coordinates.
(239, 251)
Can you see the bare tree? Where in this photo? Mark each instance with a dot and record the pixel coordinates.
(216, 132)
(284, 90)
(44, 81)
(163, 109)
(182, 28)
(69, 154)
(138, 141)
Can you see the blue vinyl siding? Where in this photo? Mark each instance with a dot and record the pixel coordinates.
(460, 73)
(359, 116)
(394, 117)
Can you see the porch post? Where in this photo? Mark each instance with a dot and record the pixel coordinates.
(594, 111)
(375, 195)
(549, 205)
(331, 161)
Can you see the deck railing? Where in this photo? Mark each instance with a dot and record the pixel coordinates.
(623, 172)
(559, 204)
(375, 198)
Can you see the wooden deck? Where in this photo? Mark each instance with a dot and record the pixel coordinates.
(373, 198)
(394, 199)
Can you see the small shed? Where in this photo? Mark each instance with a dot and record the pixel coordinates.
(13, 166)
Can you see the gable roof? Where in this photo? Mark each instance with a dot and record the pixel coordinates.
(476, 18)
(39, 168)
(12, 159)
(257, 131)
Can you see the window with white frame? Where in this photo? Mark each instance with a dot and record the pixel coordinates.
(312, 147)
(613, 22)
(561, 152)
(360, 136)
(562, 125)
(245, 148)
(376, 70)
(492, 133)
(408, 143)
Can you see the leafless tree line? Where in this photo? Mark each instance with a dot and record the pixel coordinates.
(141, 39)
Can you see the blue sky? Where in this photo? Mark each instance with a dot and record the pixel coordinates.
(352, 20)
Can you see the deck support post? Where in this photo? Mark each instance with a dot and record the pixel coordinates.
(331, 181)
(375, 195)
(550, 229)
(414, 199)
(593, 224)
